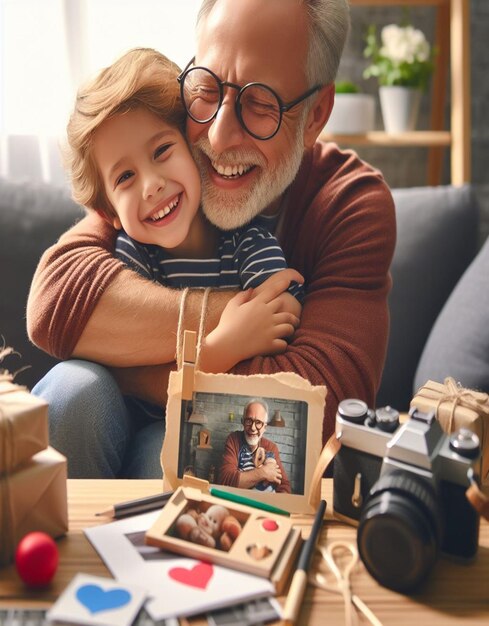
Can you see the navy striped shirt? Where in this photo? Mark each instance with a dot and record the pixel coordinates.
(245, 258)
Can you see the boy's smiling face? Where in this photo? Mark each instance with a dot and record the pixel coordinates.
(150, 179)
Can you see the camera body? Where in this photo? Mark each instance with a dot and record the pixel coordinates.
(404, 486)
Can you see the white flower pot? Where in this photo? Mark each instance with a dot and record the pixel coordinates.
(352, 114)
(400, 107)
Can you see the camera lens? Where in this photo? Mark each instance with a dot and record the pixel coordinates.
(353, 410)
(399, 532)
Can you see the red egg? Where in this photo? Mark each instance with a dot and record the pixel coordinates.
(36, 559)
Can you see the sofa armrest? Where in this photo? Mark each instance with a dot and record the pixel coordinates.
(458, 344)
(437, 231)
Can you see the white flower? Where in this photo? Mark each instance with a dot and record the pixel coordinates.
(403, 56)
(404, 44)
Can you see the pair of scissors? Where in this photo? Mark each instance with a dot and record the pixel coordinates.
(330, 554)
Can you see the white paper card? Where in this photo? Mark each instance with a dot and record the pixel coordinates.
(177, 586)
(97, 601)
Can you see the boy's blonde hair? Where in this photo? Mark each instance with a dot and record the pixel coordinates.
(140, 78)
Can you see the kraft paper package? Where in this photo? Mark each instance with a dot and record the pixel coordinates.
(457, 407)
(33, 498)
(32, 475)
(23, 425)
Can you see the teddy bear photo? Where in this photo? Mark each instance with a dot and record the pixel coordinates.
(213, 528)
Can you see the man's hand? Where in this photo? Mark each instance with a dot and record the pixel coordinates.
(269, 472)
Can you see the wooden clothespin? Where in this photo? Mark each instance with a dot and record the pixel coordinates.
(188, 363)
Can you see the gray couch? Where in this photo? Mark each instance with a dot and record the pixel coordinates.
(439, 326)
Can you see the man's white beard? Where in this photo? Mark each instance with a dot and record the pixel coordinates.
(234, 208)
(252, 440)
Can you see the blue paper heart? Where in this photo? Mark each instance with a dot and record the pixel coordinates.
(95, 599)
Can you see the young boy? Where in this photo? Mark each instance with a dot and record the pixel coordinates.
(129, 160)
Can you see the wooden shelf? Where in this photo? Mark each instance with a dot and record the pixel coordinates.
(423, 138)
(452, 41)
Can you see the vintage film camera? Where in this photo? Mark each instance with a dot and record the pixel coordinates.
(404, 485)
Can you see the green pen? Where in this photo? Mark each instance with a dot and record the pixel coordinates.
(256, 504)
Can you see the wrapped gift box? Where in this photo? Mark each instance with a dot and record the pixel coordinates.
(23, 425)
(33, 498)
(457, 407)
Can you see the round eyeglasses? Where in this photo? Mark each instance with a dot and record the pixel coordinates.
(258, 108)
(249, 421)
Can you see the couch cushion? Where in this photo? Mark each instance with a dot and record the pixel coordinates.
(436, 240)
(437, 231)
(32, 217)
(458, 345)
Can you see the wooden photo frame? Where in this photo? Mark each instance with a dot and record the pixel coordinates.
(205, 433)
(200, 526)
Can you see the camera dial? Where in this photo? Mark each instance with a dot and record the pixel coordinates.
(465, 443)
(353, 410)
(387, 419)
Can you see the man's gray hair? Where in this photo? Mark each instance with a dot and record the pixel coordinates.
(256, 401)
(329, 22)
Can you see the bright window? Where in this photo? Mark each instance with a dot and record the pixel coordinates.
(47, 47)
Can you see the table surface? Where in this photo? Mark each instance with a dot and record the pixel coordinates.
(453, 592)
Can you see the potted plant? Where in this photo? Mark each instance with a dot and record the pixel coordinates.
(402, 62)
(353, 112)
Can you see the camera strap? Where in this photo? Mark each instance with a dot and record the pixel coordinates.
(478, 499)
(328, 453)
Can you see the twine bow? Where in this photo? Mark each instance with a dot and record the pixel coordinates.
(478, 401)
(5, 375)
(6, 423)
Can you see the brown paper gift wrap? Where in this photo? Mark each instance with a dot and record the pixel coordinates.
(33, 498)
(457, 407)
(23, 425)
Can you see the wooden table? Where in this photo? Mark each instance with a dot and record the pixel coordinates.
(453, 593)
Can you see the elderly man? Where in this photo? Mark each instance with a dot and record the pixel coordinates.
(250, 461)
(332, 213)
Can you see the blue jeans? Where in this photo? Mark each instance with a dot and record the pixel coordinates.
(101, 432)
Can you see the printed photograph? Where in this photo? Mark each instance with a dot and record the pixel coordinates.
(211, 525)
(247, 442)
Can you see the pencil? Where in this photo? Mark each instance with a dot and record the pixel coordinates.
(299, 579)
(256, 504)
(135, 507)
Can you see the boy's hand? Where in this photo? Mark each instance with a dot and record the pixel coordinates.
(254, 322)
(274, 291)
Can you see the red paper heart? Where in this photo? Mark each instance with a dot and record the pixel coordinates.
(199, 576)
